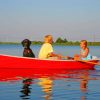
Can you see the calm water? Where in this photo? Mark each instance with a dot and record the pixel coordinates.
(28, 84)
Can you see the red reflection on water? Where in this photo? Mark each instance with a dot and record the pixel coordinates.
(45, 79)
(18, 74)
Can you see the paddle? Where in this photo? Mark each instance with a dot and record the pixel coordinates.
(94, 63)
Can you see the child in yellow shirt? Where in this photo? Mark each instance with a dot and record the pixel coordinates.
(46, 50)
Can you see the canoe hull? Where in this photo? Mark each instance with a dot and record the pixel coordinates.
(7, 61)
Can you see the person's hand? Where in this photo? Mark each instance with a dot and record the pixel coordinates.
(76, 57)
(59, 56)
(67, 57)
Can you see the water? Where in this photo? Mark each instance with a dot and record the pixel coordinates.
(28, 84)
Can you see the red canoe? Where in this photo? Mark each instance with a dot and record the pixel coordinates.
(7, 61)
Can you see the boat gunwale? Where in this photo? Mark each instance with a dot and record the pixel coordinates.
(62, 60)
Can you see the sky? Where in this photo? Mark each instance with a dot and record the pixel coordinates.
(33, 19)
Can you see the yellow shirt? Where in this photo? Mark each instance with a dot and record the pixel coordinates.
(45, 50)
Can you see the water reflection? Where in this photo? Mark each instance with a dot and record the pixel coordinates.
(84, 85)
(46, 84)
(84, 81)
(26, 90)
(45, 80)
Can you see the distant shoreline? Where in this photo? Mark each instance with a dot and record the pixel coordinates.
(66, 44)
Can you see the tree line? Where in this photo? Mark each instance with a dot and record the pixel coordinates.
(59, 41)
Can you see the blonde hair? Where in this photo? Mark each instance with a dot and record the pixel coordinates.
(84, 41)
(48, 39)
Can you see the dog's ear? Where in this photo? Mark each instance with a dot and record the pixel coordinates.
(22, 43)
(30, 42)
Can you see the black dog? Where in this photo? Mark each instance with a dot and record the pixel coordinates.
(27, 51)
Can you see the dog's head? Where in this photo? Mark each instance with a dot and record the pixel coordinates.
(26, 43)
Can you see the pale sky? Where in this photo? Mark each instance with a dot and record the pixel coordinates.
(33, 19)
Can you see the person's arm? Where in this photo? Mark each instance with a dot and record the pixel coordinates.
(54, 55)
